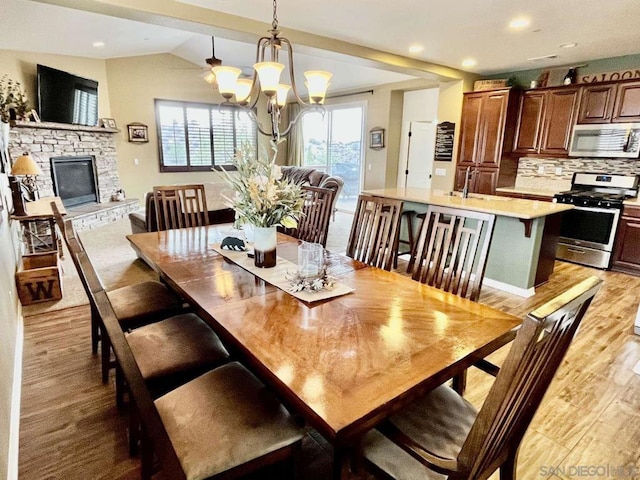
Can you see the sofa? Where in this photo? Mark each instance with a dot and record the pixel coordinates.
(218, 212)
(315, 178)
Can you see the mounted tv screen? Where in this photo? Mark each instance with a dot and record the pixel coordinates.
(66, 98)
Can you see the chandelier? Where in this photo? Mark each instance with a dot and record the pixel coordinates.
(266, 79)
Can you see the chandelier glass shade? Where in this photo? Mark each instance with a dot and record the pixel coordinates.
(244, 92)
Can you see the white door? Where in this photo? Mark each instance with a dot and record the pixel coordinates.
(421, 143)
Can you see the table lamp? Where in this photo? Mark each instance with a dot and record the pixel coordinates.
(27, 167)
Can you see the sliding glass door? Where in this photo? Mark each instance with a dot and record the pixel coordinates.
(334, 143)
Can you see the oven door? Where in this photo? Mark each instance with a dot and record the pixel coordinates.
(587, 235)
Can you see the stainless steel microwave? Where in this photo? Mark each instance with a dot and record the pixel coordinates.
(606, 140)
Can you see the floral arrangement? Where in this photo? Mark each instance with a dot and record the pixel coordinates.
(299, 283)
(263, 198)
(12, 96)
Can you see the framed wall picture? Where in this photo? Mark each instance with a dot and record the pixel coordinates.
(138, 132)
(108, 123)
(376, 138)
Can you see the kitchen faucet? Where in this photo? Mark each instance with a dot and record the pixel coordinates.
(465, 189)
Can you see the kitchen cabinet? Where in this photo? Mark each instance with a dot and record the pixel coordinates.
(627, 105)
(482, 180)
(486, 137)
(596, 103)
(626, 254)
(610, 102)
(545, 120)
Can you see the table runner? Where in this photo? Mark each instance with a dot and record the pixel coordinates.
(277, 276)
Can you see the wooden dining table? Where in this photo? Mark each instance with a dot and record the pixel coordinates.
(343, 364)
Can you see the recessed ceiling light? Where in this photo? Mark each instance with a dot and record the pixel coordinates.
(469, 62)
(519, 23)
(568, 45)
(416, 48)
(543, 57)
(98, 44)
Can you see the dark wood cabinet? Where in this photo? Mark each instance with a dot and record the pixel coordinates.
(626, 254)
(486, 135)
(545, 120)
(596, 103)
(627, 105)
(529, 126)
(482, 180)
(610, 102)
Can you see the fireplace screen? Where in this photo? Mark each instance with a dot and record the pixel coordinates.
(74, 180)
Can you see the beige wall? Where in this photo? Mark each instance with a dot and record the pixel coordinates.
(11, 328)
(449, 110)
(21, 67)
(384, 109)
(134, 83)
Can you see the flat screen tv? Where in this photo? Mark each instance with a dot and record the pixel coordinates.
(66, 98)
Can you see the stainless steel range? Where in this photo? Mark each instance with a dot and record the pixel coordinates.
(589, 230)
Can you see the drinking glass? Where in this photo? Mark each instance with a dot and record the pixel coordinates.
(310, 259)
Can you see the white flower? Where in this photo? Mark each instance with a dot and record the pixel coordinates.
(262, 196)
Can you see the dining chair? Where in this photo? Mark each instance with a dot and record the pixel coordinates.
(451, 254)
(180, 206)
(451, 251)
(168, 352)
(135, 305)
(222, 424)
(374, 231)
(441, 435)
(313, 225)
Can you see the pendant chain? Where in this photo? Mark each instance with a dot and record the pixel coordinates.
(274, 23)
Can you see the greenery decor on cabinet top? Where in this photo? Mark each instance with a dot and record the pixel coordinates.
(12, 97)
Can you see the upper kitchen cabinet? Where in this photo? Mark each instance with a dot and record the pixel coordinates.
(627, 106)
(610, 103)
(596, 103)
(486, 134)
(545, 119)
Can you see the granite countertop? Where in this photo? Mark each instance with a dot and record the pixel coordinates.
(503, 206)
(528, 191)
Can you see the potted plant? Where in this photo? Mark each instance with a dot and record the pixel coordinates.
(264, 199)
(12, 98)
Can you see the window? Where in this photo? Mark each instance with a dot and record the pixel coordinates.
(197, 136)
(333, 143)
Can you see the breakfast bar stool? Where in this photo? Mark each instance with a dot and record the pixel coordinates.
(408, 216)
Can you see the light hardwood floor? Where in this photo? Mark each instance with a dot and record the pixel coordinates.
(590, 418)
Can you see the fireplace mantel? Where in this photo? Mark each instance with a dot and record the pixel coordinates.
(62, 126)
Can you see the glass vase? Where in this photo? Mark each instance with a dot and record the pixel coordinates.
(264, 246)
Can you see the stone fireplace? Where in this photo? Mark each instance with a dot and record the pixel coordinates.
(44, 141)
(48, 143)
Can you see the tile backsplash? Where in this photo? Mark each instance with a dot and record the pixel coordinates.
(556, 173)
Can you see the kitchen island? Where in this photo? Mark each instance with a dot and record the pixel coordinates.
(525, 236)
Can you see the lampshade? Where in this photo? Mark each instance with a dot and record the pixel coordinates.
(317, 84)
(227, 78)
(283, 91)
(25, 165)
(269, 75)
(243, 90)
(266, 79)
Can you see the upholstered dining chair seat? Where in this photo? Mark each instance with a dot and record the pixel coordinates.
(176, 345)
(139, 303)
(224, 419)
(439, 422)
